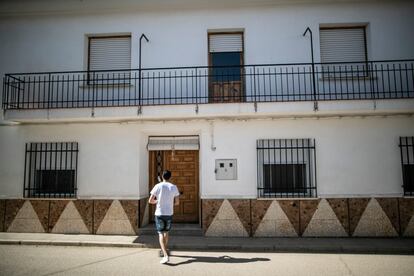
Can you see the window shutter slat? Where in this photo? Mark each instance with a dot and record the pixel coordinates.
(225, 43)
(342, 45)
(110, 53)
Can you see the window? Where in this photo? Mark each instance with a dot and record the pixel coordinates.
(226, 61)
(109, 53)
(407, 163)
(346, 48)
(50, 169)
(286, 168)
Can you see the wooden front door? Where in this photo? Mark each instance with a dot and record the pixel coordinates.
(183, 165)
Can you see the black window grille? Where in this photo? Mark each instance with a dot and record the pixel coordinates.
(51, 169)
(286, 168)
(407, 163)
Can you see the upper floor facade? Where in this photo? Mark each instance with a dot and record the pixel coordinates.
(187, 59)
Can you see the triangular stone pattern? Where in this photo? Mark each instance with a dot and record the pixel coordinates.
(56, 209)
(409, 231)
(26, 221)
(324, 223)
(41, 208)
(356, 207)
(131, 210)
(85, 209)
(340, 208)
(275, 223)
(12, 207)
(226, 223)
(70, 221)
(242, 209)
(307, 209)
(143, 216)
(291, 209)
(99, 212)
(374, 222)
(390, 208)
(406, 207)
(116, 221)
(259, 209)
(210, 209)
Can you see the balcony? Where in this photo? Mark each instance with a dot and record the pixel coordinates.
(259, 83)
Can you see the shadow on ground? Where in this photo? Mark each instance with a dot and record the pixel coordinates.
(221, 259)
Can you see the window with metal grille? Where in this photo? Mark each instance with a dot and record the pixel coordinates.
(109, 53)
(407, 163)
(50, 169)
(286, 168)
(343, 51)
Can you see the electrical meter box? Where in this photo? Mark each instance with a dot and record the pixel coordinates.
(226, 169)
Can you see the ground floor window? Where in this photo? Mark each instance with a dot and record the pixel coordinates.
(407, 163)
(286, 168)
(50, 169)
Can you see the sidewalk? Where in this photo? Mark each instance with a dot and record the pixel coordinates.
(304, 245)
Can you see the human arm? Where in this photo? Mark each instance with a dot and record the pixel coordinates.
(176, 201)
(152, 199)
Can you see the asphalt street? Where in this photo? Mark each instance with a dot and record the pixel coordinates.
(72, 260)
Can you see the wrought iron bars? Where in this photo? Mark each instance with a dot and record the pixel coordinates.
(407, 163)
(51, 169)
(202, 85)
(286, 168)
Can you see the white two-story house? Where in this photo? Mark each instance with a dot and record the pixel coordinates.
(276, 118)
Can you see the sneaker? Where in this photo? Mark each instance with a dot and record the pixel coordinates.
(164, 260)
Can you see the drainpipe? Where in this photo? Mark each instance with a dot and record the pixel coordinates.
(315, 103)
(139, 71)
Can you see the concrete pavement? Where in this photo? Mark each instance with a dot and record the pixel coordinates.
(75, 260)
(305, 245)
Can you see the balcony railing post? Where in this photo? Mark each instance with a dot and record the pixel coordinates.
(371, 79)
(196, 89)
(94, 82)
(139, 90)
(49, 90)
(254, 84)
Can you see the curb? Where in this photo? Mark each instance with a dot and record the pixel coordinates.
(217, 247)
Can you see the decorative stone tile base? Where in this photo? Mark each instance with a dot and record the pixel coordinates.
(275, 223)
(374, 222)
(336, 217)
(226, 223)
(324, 223)
(359, 217)
(71, 216)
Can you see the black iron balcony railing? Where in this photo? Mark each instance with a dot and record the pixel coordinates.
(200, 85)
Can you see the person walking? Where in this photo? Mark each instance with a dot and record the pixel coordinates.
(165, 195)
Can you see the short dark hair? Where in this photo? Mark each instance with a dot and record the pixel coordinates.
(166, 175)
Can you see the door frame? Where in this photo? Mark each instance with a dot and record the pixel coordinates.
(152, 170)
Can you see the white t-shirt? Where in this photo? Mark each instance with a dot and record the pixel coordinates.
(165, 193)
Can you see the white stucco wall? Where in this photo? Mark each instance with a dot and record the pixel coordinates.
(354, 156)
(273, 34)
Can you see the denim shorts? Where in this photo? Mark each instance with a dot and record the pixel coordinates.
(163, 223)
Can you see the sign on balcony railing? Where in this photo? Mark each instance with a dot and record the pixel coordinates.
(201, 85)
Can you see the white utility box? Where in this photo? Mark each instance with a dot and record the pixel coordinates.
(226, 169)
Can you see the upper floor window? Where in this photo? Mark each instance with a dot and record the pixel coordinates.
(50, 169)
(346, 49)
(226, 61)
(407, 163)
(286, 168)
(109, 53)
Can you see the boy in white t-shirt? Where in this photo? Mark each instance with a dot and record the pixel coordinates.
(165, 195)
